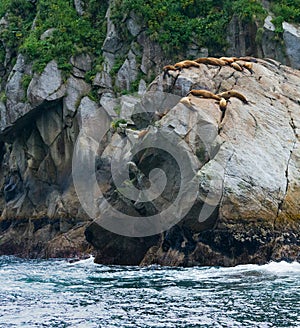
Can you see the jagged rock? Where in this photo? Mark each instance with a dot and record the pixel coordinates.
(81, 64)
(291, 37)
(142, 87)
(128, 72)
(271, 47)
(110, 104)
(75, 90)
(90, 116)
(103, 80)
(3, 122)
(128, 104)
(152, 57)
(47, 86)
(133, 27)
(79, 6)
(112, 42)
(248, 167)
(50, 125)
(241, 38)
(15, 93)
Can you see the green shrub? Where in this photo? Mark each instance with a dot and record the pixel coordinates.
(175, 24)
(72, 33)
(288, 10)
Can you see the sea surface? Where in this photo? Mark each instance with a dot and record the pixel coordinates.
(56, 293)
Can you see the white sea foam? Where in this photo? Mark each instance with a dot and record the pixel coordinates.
(85, 262)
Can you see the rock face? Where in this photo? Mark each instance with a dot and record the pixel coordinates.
(250, 161)
(40, 214)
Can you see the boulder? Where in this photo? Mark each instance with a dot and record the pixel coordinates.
(46, 86)
(291, 37)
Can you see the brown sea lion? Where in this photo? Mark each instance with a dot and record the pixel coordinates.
(249, 59)
(210, 61)
(249, 66)
(186, 64)
(229, 60)
(236, 66)
(232, 93)
(168, 68)
(142, 133)
(223, 106)
(204, 94)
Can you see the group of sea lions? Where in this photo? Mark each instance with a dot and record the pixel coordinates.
(222, 98)
(237, 63)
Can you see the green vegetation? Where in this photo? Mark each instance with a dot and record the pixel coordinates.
(116, 123)
(70, 33)
(285, 10)
(25, 81)
(19, 15)
(175, 24)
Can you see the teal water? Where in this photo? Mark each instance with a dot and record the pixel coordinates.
(55, 293)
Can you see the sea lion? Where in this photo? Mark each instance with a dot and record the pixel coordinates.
(223, 106)
(232, 93)
(229, 60)
(186, 64)
(142, 133)
(168, 68)
(249, 59)
(249, 66)
(204, 94)
(236, 66)
(211, 61)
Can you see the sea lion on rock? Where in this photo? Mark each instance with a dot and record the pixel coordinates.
(168, 68)
(249, 66)
(249, 59)
(142, 133)
(211, 61)
(186, 64)
(223, 106)
(204, 94)
(229, 60)
(236, 66)
(232, 93)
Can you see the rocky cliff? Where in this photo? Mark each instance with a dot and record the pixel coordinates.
(231, 187)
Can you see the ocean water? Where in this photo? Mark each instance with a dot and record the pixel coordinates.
(56, 293)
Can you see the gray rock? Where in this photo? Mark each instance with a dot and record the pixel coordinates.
(75, 90)
(50, 125)
(133, 27)
(152, 57)
(103, 80)
(291, 36)
(112, 42)
(268, 24)
(109, 102)
(241, 37)
(48, 33)
(82, 63)
(128, 104)
(3, 116)
(90, 116)
(142, 87)
(128, 72)
(79, 6)
(47, 86)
